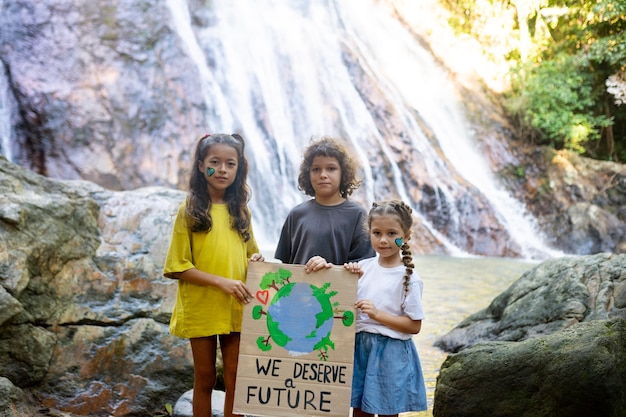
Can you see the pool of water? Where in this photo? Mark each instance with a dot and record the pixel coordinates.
(454, 288)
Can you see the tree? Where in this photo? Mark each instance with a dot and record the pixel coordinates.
(593, 34)
(568, 71)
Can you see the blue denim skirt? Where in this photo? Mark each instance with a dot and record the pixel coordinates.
(387, 376)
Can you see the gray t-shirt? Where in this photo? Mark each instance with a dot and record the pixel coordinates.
(335, 233)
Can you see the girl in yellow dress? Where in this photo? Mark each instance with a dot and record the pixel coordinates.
(211, 243)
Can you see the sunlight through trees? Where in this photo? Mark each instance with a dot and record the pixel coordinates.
(567, 61)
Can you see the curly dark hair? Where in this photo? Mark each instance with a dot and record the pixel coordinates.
(236, 196)
(404, 214)
(330, 147)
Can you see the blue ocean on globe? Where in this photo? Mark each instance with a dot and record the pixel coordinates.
(297, 312)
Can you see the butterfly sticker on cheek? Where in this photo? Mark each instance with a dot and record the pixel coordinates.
(399, 242)
(210, 171)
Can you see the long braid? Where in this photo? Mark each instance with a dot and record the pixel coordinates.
(406, 220)
(407, 259)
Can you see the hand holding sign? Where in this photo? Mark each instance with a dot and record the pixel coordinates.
(297, 342)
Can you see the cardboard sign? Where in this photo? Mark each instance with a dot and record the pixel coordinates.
(297, 342)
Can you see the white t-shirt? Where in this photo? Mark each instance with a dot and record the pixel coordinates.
(385, 288)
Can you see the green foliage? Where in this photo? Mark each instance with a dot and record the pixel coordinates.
(169, 410)
(556, 102)
(564, 53)
(511, 170)
(565, 91)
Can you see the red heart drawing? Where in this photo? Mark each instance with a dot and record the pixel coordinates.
(263, 296)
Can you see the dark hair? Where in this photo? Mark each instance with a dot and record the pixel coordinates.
(404, 214)
(328, 146)
(236, 196)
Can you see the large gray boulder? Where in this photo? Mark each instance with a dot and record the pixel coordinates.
(553, 344)
(547, 298)
(84, 307)
(578, 372)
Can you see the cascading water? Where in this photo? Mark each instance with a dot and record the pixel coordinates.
(280, 72)
(283, 72)
(5, 115)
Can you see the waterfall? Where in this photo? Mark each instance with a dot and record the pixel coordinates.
(283, 72)
(281, 75)
(430, 93)
(5, 114)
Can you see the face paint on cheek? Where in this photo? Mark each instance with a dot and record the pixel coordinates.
(210, 172)
(399, 242)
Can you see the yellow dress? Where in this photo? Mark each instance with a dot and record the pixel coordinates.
(205, 310)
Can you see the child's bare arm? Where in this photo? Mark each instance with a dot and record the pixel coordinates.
(234, 287)
(402, 324)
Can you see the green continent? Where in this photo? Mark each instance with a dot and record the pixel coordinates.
(273, 327)
(324, 300)
(278, 336)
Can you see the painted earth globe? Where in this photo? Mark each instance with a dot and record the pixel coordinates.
(300, 317)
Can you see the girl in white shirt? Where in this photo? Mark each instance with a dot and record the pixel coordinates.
(387, 378)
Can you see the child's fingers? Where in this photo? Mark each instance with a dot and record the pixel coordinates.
(353, 267)
(240, 291)
(367, 307)
(315, 264)
(249, 293)
(257, 257)
(246, 295)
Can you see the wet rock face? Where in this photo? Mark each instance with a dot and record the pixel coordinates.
(579, 203)
(79, 72)
(85, 308)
